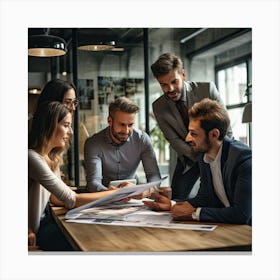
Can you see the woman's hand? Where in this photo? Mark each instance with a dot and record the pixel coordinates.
(121, 185)
(31, 238)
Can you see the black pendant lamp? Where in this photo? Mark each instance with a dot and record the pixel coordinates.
(46, 45)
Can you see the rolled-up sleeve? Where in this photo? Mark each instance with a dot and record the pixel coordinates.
(39, 171)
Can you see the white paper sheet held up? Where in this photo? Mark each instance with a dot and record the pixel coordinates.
(116, 196)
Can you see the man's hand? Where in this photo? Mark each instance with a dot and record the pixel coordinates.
(182, 211)
(160, 202)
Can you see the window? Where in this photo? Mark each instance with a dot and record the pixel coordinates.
(232, 82)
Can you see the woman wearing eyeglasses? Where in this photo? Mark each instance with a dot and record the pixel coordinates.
(57, 90)
(49, 136)
(61, 91)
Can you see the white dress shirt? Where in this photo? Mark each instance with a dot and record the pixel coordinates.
(215, 166)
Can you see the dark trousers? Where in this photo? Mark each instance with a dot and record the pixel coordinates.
(182, 184)
(50, 236)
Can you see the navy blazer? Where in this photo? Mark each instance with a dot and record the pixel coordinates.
(236, 165)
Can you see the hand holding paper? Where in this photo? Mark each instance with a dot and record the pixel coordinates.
(127, 192)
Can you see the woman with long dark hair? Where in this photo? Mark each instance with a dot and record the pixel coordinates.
(61, 91)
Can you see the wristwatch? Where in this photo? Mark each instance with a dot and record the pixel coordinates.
(194, 216)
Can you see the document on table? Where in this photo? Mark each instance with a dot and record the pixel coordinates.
(121, 193)
(113, 211)
(133, 213)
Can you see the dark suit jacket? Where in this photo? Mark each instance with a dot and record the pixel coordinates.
(236, 165)
(170, 120)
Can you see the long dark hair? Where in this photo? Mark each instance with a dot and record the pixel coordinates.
(55, 90)
(44, 124)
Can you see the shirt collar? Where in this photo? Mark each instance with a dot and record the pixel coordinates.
(109, 139)
(208, 160)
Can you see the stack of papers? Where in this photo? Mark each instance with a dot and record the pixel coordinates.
(109, 211)
(120, 194)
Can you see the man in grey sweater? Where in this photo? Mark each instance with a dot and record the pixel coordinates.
(115, 152)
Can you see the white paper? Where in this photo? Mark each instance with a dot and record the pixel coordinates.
(133, 213)
(121, 193)
(113, 211)
(171, 225)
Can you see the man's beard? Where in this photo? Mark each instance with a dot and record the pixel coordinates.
(174, 95)
(122, 137)
(206, 146)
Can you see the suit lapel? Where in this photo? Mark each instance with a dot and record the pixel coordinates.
(189, 95)
(224, 156)
(177, 116)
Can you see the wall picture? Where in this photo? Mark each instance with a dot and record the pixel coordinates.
(85, 93)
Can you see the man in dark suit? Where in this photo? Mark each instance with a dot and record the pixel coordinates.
(225, 194)
(170, 111)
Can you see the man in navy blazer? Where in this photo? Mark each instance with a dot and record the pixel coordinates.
(169, 72)
(225, 194)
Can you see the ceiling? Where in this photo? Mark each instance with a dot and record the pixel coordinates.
(202, 42)
(123, 37)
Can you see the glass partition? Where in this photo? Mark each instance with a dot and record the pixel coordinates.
(104, 76)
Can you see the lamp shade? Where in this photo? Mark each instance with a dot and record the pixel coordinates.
(98, 46)
(247, 113)
(46, 46)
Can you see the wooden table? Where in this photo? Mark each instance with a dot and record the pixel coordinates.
(108, 238)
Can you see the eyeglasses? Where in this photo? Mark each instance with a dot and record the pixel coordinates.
(69, 102)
